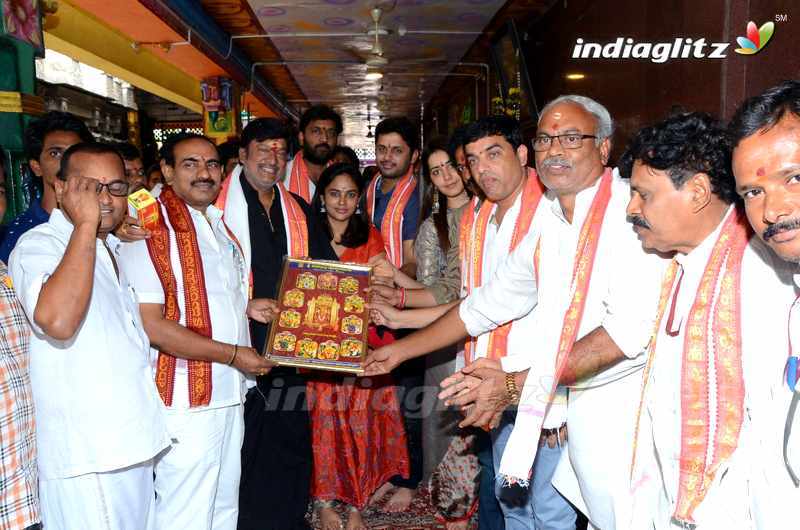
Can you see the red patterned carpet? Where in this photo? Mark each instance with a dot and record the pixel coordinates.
(420, 516)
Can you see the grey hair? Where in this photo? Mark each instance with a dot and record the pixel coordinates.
(605, 126)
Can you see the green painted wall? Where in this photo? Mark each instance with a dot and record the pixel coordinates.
(17, 74)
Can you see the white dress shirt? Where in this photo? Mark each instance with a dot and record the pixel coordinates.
(496, 245)
(97, 407)
(226, 281)
(622, 298)
(749, 488)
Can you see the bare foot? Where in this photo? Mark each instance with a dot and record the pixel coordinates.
(355, 521)
(456, 525)
(329, 519)
(400, 500)
(380, 493)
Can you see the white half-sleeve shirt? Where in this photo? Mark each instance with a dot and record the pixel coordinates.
(96, 405)
(226, 280)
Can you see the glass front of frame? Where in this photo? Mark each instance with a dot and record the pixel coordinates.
(323, 318)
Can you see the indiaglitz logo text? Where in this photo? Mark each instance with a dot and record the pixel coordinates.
(678, 48)
(657, 52)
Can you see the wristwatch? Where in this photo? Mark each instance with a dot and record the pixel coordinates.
(511, 389)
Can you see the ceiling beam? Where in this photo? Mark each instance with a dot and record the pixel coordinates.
(77, 35)
(188, 18)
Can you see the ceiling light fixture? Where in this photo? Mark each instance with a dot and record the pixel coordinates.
(373, 76)
(575, 77)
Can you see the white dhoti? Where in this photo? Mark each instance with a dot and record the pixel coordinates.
(122, 499)
(197, 478)
(594, 474)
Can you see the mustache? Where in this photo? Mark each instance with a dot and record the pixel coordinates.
(204, 181)
(781, 226)
(320, 146)
(639, 221)
(556, 161)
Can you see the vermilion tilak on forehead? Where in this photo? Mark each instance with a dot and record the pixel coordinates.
(761, 172)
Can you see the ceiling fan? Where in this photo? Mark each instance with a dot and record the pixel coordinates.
(369, 124)
(375, 57)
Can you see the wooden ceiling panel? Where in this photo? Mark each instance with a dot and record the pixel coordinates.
(237, 18)
(420, 41)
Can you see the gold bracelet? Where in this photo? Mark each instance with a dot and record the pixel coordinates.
(235, 352)
(511, 389)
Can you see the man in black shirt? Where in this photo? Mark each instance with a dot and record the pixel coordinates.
(270, 223)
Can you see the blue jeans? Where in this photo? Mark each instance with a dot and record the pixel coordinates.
(539, 507)
(550, 510)
(489, 515)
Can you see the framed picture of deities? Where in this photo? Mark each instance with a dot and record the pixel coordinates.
(323, 318)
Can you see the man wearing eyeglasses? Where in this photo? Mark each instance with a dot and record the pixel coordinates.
(594, 291)
(191, 282)
(99, 421)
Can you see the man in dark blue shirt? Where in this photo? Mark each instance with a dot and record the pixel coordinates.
(396, 153)
(46, 139)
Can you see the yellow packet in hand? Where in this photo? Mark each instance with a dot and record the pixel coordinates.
(146, 207)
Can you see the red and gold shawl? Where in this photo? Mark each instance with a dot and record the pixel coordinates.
(517, 461)
(298, 178)
(198, 318)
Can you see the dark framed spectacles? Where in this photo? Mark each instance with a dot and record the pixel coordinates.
(543, 142)
(118, 188)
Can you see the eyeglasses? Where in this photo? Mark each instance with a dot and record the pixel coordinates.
(118, 188)
(568, 141)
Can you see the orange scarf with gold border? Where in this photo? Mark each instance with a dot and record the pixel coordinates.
(472, 233)
(295, 222)
(517, 461)
(712, 319)
(299, 179)
(392, 222)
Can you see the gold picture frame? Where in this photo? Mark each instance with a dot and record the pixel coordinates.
(321, 325)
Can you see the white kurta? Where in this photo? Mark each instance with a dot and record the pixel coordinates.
(97, 407)
(197, 481)
(622, 298)
(749, 488)
(496, 245)
(793, 441)
(226, 282)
